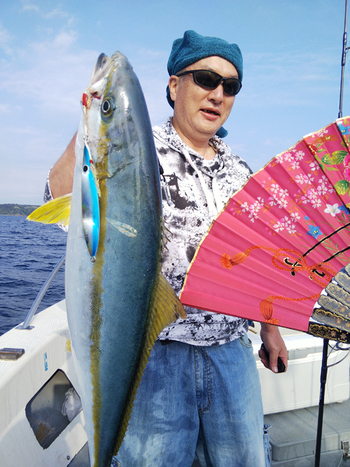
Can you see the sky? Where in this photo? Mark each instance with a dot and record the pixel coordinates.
(291, 79)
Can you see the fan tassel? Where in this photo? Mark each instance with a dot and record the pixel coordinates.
(266, 307)
(228, 262)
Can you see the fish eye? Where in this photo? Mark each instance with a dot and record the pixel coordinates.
(85, 168)
(107, 107)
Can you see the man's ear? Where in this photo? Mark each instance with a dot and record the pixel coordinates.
(173, 86)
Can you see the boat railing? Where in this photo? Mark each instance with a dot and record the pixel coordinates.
(40, 296)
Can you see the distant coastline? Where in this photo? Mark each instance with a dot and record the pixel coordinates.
(16, 209)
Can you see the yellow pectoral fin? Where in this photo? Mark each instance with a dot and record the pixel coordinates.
(55, 211)
(165, 308)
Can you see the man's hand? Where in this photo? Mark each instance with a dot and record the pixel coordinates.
(275, 346)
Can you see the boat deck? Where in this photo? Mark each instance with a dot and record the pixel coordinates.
(293, 436)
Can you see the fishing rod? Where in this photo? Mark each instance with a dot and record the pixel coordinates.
(343, 61)
(324, 366)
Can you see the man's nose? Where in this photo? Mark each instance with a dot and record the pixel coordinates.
(218, 93)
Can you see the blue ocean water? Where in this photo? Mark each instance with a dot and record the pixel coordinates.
(29, 251)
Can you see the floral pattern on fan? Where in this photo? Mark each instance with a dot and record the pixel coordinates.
(296, 183)
(281, 238)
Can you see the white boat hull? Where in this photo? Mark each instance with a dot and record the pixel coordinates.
(33, 431)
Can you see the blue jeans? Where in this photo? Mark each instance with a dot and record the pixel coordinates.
(197, 403)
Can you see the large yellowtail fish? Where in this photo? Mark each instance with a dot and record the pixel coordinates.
(117, 300)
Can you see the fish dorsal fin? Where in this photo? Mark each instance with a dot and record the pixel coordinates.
(165, 308)
(53, 212)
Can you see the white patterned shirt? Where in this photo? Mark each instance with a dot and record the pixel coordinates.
(199, 189)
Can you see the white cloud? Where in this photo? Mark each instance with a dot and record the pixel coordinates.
(8, 108)
(41, 85)
(52, 76)
(289, 79)
(5, 39)
(150, 67)
(64, 40)
(30, 7)
(56, 12)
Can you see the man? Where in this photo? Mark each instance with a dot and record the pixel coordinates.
(199, 397)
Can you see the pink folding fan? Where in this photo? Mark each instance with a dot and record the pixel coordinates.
(279, 251)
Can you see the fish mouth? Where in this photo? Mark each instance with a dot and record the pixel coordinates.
(100, 63)
(103, 66)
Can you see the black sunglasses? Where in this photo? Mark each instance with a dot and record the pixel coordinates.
(211, 80)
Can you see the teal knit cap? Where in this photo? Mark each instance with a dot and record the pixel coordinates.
(193, 47)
